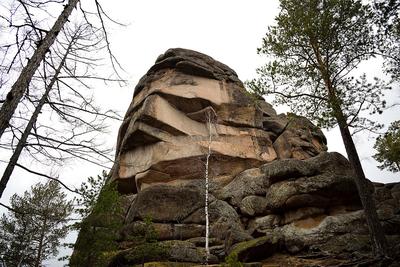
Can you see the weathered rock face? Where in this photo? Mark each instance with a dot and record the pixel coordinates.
(165, 133)
(273, 188)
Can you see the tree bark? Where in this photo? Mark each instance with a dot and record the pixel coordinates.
(38, 259)
(364, 187)
(32, 121)
(365, 190)
(20, 86)
(24, 246)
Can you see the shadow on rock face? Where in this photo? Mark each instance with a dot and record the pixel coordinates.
(274, 190)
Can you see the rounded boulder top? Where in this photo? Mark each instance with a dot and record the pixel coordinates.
(188, 62)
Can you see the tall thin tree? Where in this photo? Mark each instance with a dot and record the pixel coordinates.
(21, 85)
(316, 45)
(33, 233)
(70, 123)
(33, 119)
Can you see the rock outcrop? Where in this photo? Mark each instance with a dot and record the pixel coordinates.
(166, 130)
(273, 186)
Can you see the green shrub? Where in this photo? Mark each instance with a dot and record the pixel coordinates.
(232, 260)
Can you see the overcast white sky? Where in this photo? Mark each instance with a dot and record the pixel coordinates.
(228, 30)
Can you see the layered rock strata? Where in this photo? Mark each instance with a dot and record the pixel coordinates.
(273, 186)
(182, 100)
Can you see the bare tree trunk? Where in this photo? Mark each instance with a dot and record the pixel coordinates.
(377, 236)
(210, 119)
(20, 86)
(22, 141)
(22, 256)
(38, 259)
(365, 192)
(207, 188)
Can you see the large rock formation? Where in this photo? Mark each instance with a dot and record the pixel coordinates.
(166, 131)
(273, 186)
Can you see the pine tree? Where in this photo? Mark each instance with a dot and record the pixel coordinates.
(101, 211)
(316, 44)
(31, 233)
(387, 19)
(388, 148)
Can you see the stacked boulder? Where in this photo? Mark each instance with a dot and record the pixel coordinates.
(273, 187)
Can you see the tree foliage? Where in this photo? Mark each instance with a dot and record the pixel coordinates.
(101, 211)
(387, 20)
(232, 260)
(100, 207)
(31, 233)
(145, 245)
(318, 42)
(317, 45)
(388, 148)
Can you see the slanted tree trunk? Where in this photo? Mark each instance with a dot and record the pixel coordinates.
(377, 236)
(32, 121)
(365, 192)
(20, 86)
